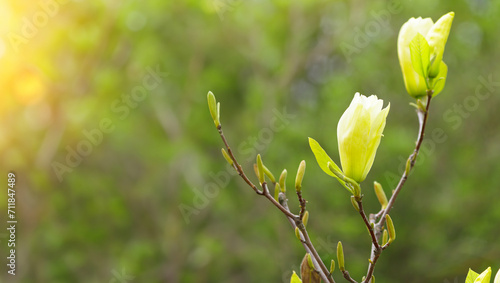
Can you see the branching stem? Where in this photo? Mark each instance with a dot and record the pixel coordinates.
(378, 226)
(374, 227)
(295, 220)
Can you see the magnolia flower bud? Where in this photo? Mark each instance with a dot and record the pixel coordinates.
(300, 176)
(295, 278)
(435, 35)
(484, 277)
(340, 256)
(379, 191)
(390, 228)
(359, 132)
(214, 108)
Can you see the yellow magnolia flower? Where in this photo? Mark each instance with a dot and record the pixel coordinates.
(484, 277)
(358, 132)
(436, 35)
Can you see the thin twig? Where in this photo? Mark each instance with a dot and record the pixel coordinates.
(302, 203)
(295, 220)
(277, 204)
(368, 225)
(348, 277)
(375, 252)
(307, 240)
(317, 261)
(413, 157)
(235, 163)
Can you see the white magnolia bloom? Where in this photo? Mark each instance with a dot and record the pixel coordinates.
(359, 132)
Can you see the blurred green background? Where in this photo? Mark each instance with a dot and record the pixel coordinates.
(104, 120)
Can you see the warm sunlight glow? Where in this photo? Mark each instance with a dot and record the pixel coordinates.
(28, 87)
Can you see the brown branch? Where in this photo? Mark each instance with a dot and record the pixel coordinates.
(422, 118)
(368, 224)
(302, 203)
(236, 165)
(375, 252)
(295, 220)
(325, 274)
(348, 277)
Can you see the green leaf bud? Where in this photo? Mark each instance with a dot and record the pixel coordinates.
(300, 175)
(214, 108)
(283, 180)
(297, 233)
(305, 218)
(227, 157)
(385, 237)
(260, 169)
(355, 203)
(340, 256)
(379, 191)
(277, 191)
(390, 227)
(269, 174)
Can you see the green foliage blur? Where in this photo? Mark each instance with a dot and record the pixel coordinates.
(119, 174)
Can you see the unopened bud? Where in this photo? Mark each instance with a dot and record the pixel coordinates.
(214, 108)
(332, 266)
(300, 175)
(379, 191)
(295, 278)
(408, 166)
(340, 256)
(269, 174)
(227, 157)
(276, 191)
(283, 180)
(310, 261)
(355, 203)
(307, 271)
(297, 233)
(390, 227)
(260, 169)
(385, 237)
(305, 218)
